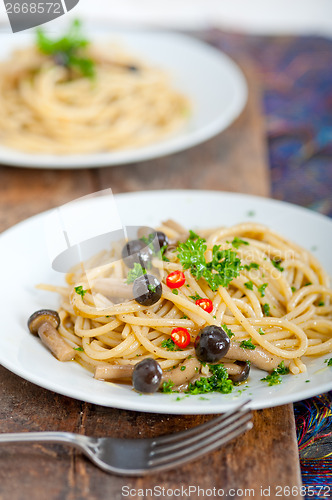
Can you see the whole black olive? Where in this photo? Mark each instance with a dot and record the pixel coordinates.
(147, 290)
(162, 239)
(211, 344)
(137, 252)
(147, 376)
(244, 373)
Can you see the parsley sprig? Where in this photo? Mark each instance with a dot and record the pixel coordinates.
(135, 272)
(80, 290)
(68, 50)
(220, 271)
(217, 382)
(274, 377)
(169, 344)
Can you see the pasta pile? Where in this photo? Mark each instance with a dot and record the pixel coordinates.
(278, 308)
(46, 108)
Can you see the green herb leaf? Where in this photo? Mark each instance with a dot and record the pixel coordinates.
(247, 344)
(321, 304)
(167, 386)
(261, 332)
(175, 291)
(237, 242)
(68, 48)
(328, 361)
(261, 289)
(266, 310)
(217, 382)
(183, 368)
(195, 297)
(227, 330)
(223, 268)
(169, 345)
(293, 289)
(252, 265)
(307, 284)
(80, 291)
(249, 285)
(274, 377)
(276, 263)
(78, 349)
(135, 273)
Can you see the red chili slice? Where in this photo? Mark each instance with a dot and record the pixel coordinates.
(205, 304)
(180, 337)
(175, 279)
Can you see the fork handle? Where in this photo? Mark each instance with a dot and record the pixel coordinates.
(75, 440)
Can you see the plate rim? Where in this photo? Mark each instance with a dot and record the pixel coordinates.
(166, 407)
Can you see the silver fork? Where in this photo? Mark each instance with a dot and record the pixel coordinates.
(138, 457)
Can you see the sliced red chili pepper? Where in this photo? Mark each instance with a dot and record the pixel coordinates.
(180, 337)
(205, 304)
(175, 279)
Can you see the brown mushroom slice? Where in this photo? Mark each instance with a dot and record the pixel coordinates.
(45, 323)
(238, 371)
(181, 377)
(258, 357)
(113, 372)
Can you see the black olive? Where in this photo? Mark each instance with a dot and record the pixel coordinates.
(211, 344)
(137, 252)
(147, 376)
(244, 373)
(162, 239)
(147, 290)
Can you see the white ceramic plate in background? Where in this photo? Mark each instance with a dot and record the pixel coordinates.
(211, 80)
(24, 262)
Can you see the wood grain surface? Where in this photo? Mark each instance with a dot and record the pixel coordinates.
(259, 461)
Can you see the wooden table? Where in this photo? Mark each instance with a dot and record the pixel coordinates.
(266, 457)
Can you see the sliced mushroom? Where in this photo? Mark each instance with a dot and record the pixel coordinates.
(45, 323)
(243, 369)
(114, 372)
(182, 374)
(258, 356)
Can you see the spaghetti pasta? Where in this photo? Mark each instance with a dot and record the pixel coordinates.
(272, 312)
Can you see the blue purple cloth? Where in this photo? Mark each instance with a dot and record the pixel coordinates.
(296, 78)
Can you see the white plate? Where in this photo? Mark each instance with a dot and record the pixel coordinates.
(24, 262)
(212, 82)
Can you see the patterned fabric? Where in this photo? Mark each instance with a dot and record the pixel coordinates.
(296, 77)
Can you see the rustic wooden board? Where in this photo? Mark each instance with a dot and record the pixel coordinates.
(266, 457)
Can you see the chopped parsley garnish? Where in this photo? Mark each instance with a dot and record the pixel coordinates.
(261, 332)
(183, 368)
(247, 344)
(151, 288)
(135, 273)
(68, 50)
(261, 289)
(195, 297)
(78, 349)
(321, 303)
(274, 377)
(184, 317)
(251, 213)
(175, 291)
(227, 330)
(328, 361)
(293, 289)
(252, 265)
(162, 252)
(237, 242)
(169, 344)
(276, 263)
(167, 386)
(217, 382)
(307, 284)
(220, 271)
(266, 309)
(249, 285)
(80, 291)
